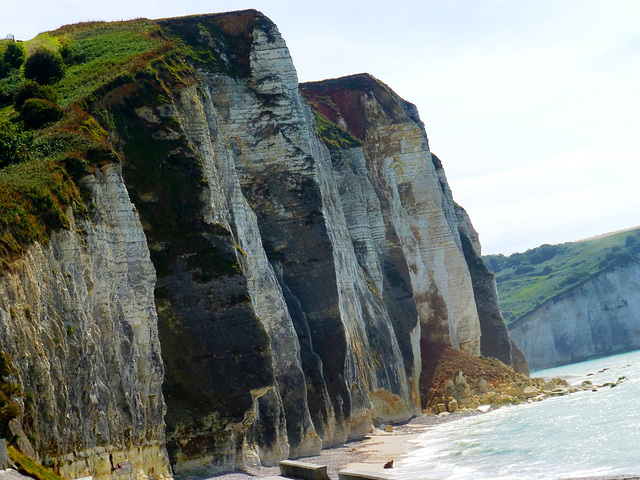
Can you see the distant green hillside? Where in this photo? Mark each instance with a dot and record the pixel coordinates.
(527, 280)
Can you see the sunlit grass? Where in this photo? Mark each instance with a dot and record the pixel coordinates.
(28, 466)
(6, 112)
(46, 40)
(101, 54)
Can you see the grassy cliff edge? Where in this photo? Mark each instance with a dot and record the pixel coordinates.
(528, 280)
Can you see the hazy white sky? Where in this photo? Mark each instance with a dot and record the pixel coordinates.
(533, 106)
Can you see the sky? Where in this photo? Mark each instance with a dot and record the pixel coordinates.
(533, 106)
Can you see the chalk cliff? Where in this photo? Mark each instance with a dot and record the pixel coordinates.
(598, 318)
(78, 319)
(573, 301)
(292, 249)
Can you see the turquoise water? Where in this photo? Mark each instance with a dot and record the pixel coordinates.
(579, 435)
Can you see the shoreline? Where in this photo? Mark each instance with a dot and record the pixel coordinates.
(374, 450)
(367, 454)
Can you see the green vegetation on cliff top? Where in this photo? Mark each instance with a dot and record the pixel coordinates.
(46, 149)
(49, 143)
(528, 280)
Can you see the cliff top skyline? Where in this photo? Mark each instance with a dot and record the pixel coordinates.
(530, 106)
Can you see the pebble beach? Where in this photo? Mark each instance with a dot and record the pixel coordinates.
(369, 454)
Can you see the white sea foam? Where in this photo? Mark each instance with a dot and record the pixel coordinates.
(580, 435)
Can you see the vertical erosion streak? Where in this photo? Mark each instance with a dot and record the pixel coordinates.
(215, 350)
(267, 134)
(286, 404)
(375, 362)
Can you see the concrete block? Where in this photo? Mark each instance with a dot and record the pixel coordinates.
(303, 470)
(358, 475)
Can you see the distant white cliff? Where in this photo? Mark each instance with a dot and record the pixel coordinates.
(597, 318)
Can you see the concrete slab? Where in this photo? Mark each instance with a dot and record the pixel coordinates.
(360, 475)
(303, 470)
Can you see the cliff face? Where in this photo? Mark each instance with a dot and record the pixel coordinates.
(305, 248)
(78, 319)
(453, 293)
(598, 318)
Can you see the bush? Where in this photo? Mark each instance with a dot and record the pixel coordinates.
(31, 89)
(524, 268)
(71, 56)
(9, 86)
(630, 241)
(44, 66)
(541, 254)
(36, 112)
(75, 167)
(15, 145)
(14, 55)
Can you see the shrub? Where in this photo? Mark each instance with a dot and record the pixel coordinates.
(31, 89)
(36, 112)
(14, 55)
(630, 241)
(524, 268)
(71, 56)
(44, 66)
(9, 85)
(542, 253)
(75, 167)
(15, 145)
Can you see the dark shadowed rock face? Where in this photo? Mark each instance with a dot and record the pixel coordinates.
(297, 273)
(277, 341)
(215, 348)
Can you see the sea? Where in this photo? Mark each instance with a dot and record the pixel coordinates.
(584, 434)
